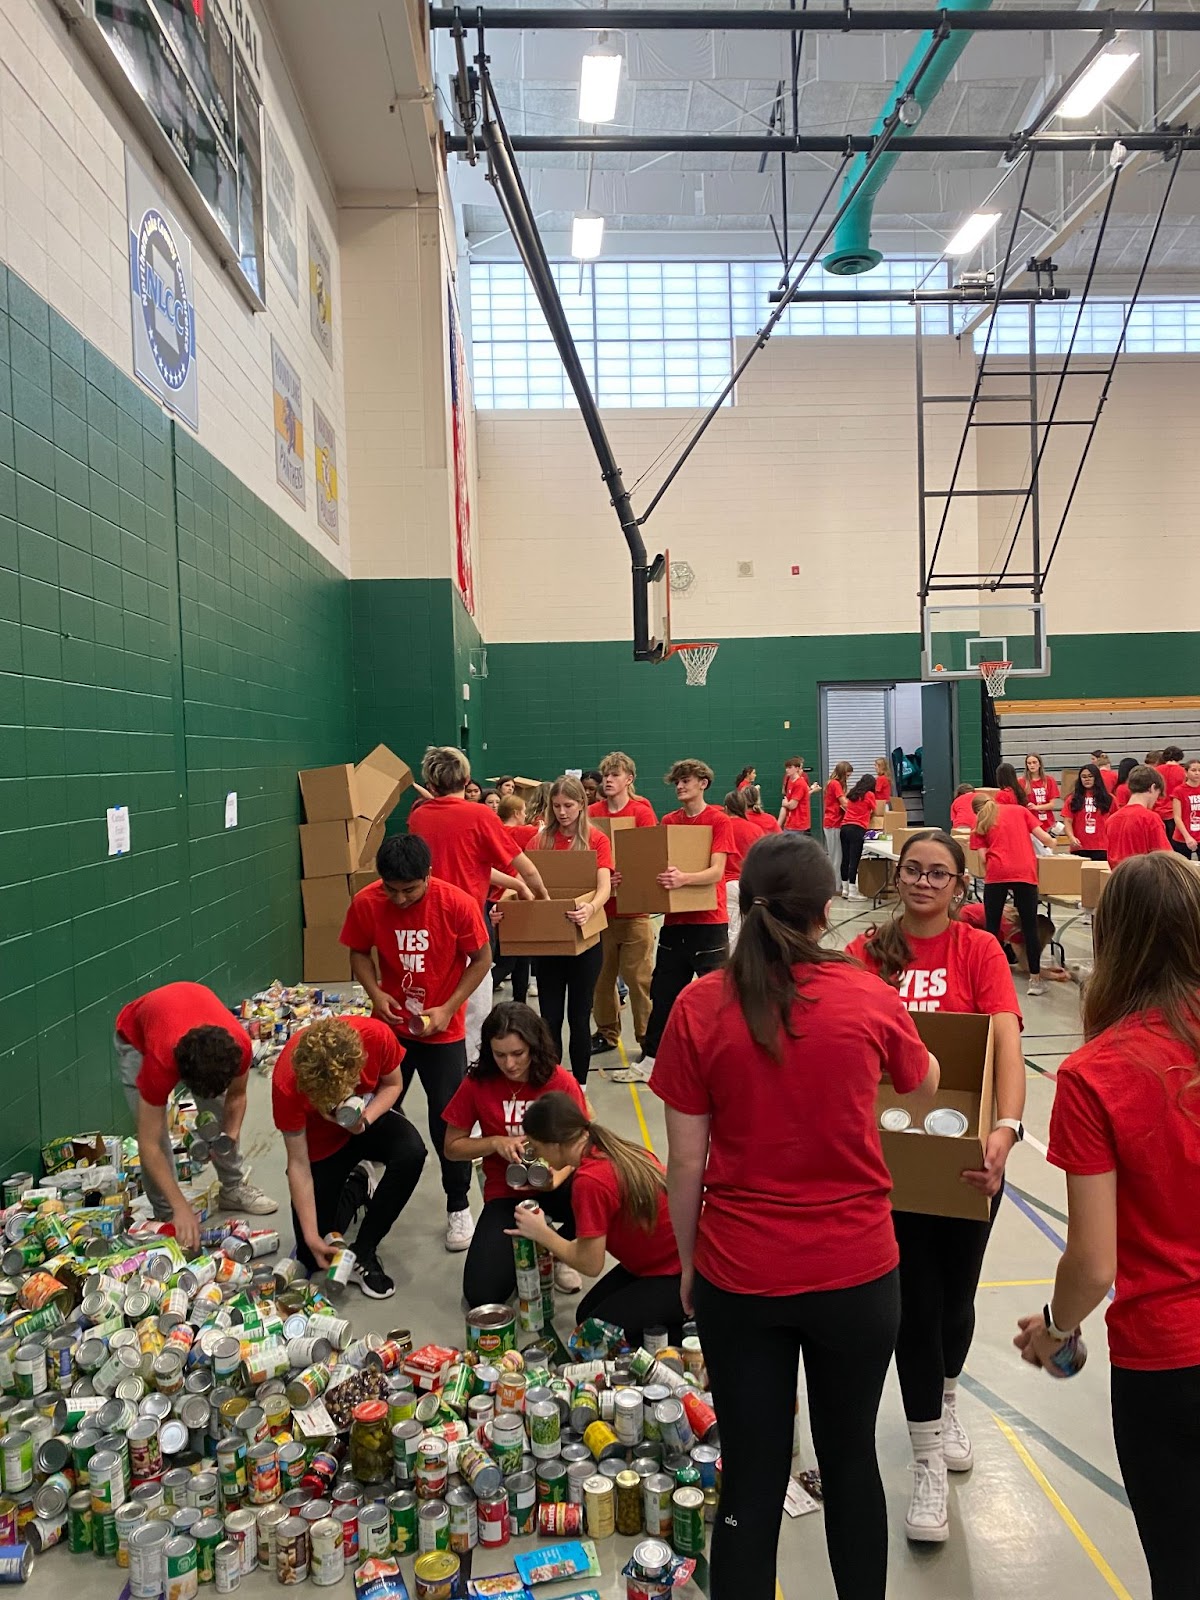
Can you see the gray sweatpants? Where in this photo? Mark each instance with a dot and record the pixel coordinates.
(229, 1167)
(833, 843)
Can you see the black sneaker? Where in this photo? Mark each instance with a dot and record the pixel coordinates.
(353, 1199)
(600, 1045)
(372, 1279)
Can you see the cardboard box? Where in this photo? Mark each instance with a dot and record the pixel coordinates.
(1060, 875)
(612, 825)
(874, 875)
(1067, 783)
(339, 848)
(522, 786)
(927, 1169)
(328, 793)
(541, 928)
(899, 837)
(383, 760)
(324, 956)
(1093, 875)
(370, 790)
(893, 822)
(642, 853)
(566, 873)
(326, 901)
(360, 880)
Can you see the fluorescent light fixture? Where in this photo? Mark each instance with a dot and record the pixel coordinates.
(587, 235)
(599, 81)
(972, 233)
(1098, 81)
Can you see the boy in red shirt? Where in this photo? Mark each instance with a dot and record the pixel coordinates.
(182, 1033)
(433, 953)
(628, 941)
(1137, 829)
(318, 1070)
(796, 811)
(691, 942)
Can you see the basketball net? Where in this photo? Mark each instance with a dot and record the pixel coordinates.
(995, 676)
(697, 658)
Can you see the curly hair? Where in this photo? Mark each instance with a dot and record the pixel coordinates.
(328, 1060)
(689, 767)
(208, 1060)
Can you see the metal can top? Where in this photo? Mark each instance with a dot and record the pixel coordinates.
(895, 1120)
(652, 1557)
(946, 1122)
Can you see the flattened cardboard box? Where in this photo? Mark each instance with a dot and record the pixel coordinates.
(326, 901)
(329, 848)
(541, 928)
(642, 853)
(612, 825)
(927, 1169)
(1061, 875)
(324, 956)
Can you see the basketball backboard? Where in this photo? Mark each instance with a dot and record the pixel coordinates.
(957, 640)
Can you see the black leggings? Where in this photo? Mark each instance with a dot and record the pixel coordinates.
(1179, 848)
(515, 967)
(1156, 1425)
(566, 985)
(489, 1273)
(392, 1140)
(1093, 855)
(1025, 899)
(940, 1262)
(686, 950)
(853, 839)
(635, 1304)
(752, 1344)
(441, 1068)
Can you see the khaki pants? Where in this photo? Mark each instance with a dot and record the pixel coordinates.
(628, 946)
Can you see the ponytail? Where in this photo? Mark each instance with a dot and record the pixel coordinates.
(556, 1119)
(985, 817)
(786, 884)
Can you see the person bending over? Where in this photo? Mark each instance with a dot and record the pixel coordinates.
(317, 1071)
(517, 1065)
(619, 1199)
(182, 1034)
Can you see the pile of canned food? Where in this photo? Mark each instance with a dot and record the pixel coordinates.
(274, 1014)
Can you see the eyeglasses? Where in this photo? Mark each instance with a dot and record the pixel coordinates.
(936, 877)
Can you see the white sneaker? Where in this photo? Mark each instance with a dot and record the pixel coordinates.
(460, 1230)
(247, 1197)
(956, 1442)
(1036, 986)
(566, 1278)
(928, 1519)
(845, 891)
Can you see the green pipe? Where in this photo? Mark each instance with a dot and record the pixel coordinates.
(852, 252)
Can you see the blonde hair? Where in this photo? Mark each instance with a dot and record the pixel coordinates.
(883, 766)
(511, 805)
(444, 769)
(551, 828)
(328, 1060)
(986, 812)
(841, 772)
(536, 803)
(617, 761)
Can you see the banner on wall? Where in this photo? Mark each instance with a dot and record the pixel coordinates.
(464, 569)
(289, 424)
(325, 443)
(164, 313)
(281, 213)
(320, 290)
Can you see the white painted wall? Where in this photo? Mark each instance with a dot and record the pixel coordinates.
(63, 229)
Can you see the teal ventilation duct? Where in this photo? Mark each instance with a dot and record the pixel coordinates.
(852, 252)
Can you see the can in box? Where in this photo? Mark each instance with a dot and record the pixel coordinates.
(402, 1522)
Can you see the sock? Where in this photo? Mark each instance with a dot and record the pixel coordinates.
(950, 1393)
(926, 1441)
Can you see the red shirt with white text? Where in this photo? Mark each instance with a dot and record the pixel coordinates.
(1088, 823)
(499, 1106)
(1039, 792)
(963, 969)
(1189, 806)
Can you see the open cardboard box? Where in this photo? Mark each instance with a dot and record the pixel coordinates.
(541, 927)
(371, 790)
(325, 956)
(642, 853)
(889, 821)
(1061, 875)
(1093, 875)
(339, 848)
(612, 825)
(926, 1168)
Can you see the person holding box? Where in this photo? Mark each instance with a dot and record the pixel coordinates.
(937, 963)
(691, 943)
(182, 1033)
(517, 1065)
(627, 944)
(1137, 829)
(317, 1072)
(778, 1189)
(1003, 834)
(433, 953)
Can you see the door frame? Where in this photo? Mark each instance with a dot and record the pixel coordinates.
(886, 683)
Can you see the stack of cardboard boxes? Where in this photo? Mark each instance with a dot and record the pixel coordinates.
(345, 809)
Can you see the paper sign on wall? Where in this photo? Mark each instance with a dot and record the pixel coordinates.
(231, 810)
(325, 443)
(320, 290)
(289, 424)
(118, 830)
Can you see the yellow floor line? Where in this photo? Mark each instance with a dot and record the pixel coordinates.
(641, 1116)
(1018, 1283)
(1055, 1499)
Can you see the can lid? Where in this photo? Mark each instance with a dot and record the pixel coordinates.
(173, 1436)
(946, 1122)
(895, 1119)
(370, 1411)
(436, 1564)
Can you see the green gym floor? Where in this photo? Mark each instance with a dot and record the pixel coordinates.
(1042, 1513)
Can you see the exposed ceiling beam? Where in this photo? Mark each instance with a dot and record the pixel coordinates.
(836, 144)
(826, 20)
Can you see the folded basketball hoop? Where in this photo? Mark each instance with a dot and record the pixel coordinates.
(995, 676)
(697, 658)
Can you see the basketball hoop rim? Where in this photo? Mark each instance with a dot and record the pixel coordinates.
(995, 676)
(694, 644)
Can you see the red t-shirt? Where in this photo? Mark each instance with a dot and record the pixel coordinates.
(643, 816)
(1010, 857)
(1039, 792)
(293, 1110)
(722, 844)
(1174, 777)
(764, 821)
(1118, 1107)
(1005, 797)
(1088, 823)
(800, 790)
(963, 969)
(498, 1106)
(1121, 794)
(883, 789)
(522, 832)
(860, 813)
(832, 815)
(1189, 806)
(796, 1187)
(467, 841)
(596, 1204)
(597, 840)
(962, 812)
(1109, 774)
(423, 948)
(744, 835)
(156, 1022)
(1134, 831)
(974, 915)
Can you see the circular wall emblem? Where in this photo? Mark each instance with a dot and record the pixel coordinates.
(166, 308)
